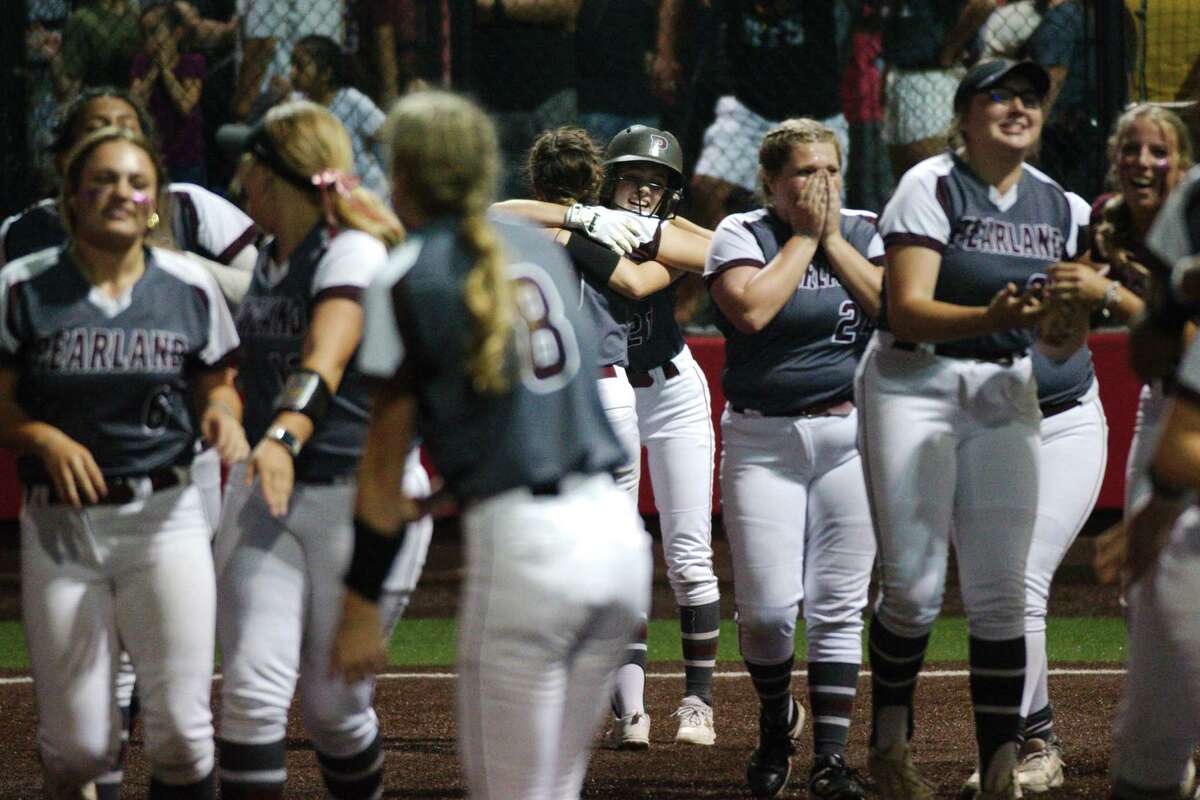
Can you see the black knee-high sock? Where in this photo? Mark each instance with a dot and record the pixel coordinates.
(700, 627)
(251, 771)
(895, 663)
(773, 683)
(997, 682)
(356, 777)
(1040, 724)
(203, 789)
(831, 691)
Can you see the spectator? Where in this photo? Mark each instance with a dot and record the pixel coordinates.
(98, 46)
(524, 66)
(1009, 27)
(270, 29)
(782, 61)
(1072, 141)
(613, 45)
(321, 73)
(43, 38)
(868, 176)
(925, 54)
(168, 83)
(395, 51)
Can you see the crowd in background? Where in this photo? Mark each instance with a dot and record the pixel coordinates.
(716, 72)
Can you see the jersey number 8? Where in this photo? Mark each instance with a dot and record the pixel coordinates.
(548, 352)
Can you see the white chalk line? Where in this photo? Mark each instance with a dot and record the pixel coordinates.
(21, 680)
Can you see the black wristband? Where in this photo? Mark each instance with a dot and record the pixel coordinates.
(374, 553)
(305, 392)
(1165, 490)
(593, 260)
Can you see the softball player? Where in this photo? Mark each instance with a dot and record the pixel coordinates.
(796, 285)
(558, 568)
(115, 543)
(1155, 731)
(948, 413)
(286, 534)
(644, 175)
(642, 186)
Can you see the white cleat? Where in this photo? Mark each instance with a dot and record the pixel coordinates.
(630, 732)
(695, 722)
(895, 776)
(1041, 766)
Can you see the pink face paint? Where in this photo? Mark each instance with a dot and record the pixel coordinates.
(140, 198)
(1162, 164)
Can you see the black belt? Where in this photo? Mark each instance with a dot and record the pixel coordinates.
(1004, 360)
(122, 490)
(815, 410)
(1054, 409)
(641, 380)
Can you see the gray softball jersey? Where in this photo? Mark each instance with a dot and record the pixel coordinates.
(808, 353)
(273, 321)
(112, 373)
(1062, 382)
(612, 337)
(549, 423)
(985, 239)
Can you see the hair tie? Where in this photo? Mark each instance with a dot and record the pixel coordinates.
(338, 181)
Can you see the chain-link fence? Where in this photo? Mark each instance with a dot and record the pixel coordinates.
(1164, 47)
(880, 73)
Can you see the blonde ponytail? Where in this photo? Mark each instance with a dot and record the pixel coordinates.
(444, 150)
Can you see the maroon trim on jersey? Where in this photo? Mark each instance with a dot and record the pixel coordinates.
(649, 250)
(878, 261)
(913, 240)
(348, 292)
(943, 193)
(248, 237)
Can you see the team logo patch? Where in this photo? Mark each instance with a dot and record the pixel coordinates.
(658, 145)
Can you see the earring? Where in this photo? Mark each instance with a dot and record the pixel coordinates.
(152, 221)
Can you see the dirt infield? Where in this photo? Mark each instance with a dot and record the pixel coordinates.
(417, 715)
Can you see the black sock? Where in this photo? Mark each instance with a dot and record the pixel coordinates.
(356, 777)
(203, 789)
(997, 682)
(895, 663)
(700, 627)
(1040, 724)
(773, 683)
(831, 691)
(251, 770)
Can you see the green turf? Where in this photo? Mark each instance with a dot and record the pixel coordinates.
(430, 642)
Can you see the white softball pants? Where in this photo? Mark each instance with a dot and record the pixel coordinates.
(138, 575)
(795, 508)
(1152, 401)
(674, 418)
(948, 444)
(555, 589)
(620, 407)
(1072, 459)
(1158, 719)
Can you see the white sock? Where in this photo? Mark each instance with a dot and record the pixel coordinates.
(629, 691)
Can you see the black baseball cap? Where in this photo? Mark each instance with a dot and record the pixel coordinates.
(987, 74)
(235, 139)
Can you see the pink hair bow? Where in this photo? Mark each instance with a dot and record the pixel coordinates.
(337, 180)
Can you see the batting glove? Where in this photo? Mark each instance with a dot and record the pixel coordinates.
(614, 229)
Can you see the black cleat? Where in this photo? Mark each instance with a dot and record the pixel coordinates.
(771, 762)
(832, 779)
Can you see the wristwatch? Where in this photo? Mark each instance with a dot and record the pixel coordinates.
(278, 433)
